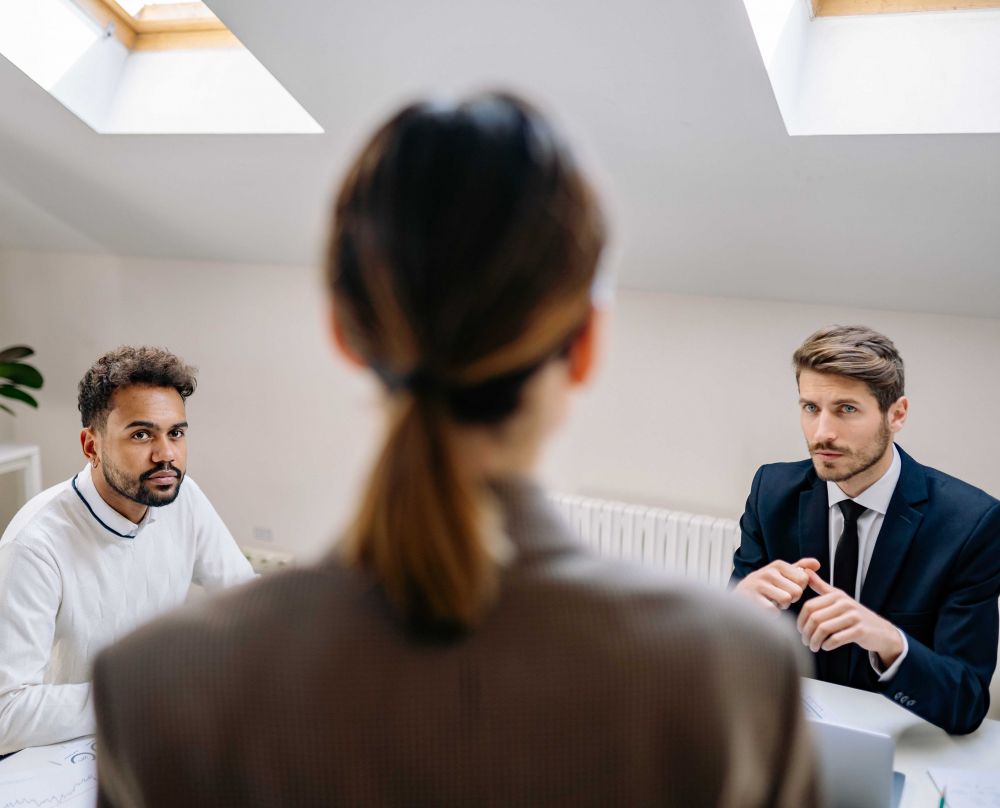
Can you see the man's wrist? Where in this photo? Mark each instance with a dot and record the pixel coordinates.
(892, 646)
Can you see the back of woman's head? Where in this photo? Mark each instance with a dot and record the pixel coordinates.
(465, 244)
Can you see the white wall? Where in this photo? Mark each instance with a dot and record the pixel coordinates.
(279, 429)
(696, 392)
(9, 488)
(693, 393)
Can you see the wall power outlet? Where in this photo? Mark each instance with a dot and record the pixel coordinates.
(265, 561)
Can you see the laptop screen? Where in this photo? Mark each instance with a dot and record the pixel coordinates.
(856, 766)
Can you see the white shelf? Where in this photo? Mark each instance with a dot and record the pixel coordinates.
(26, 459)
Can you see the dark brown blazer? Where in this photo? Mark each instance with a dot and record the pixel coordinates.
(589, 684)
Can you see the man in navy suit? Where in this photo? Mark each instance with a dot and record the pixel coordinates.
(893, 568)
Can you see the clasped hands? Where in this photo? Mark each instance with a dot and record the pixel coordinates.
(828, 621)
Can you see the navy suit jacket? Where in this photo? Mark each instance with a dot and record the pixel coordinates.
(934, 574)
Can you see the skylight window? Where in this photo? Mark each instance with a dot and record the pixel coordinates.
(147, 67)
(135, 7)
(840, 8)
(160, 24)
(857, 68)
(165, 15)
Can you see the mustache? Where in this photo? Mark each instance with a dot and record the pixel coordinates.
(828, 447)
(159, 470)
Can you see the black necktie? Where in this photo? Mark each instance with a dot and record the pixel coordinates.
(845, 576)
(845, 563)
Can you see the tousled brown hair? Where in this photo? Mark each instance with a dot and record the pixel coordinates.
(464, 246)
(857, 352)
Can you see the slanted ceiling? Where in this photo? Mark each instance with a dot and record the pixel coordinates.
(668, 98)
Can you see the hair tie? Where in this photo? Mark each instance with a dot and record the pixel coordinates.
(419, 381)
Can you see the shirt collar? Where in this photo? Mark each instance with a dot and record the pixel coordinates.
(876, 497)
(104, 513)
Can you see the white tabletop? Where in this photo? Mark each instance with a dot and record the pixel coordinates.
(919, 745)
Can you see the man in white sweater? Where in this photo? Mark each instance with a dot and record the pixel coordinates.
(86, 561)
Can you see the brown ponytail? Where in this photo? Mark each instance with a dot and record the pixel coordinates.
(464, 246)
(420, 523)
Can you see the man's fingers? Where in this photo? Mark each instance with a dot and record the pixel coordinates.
(816, 609)
(809, 623)
(792, 588)
(819, 585)
(750, 587)
(808, 564)
(849, 635)
(779, 596)
(766, 602)
(796, 575)
(825, 628)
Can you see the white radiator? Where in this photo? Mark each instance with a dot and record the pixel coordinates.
(699, 547)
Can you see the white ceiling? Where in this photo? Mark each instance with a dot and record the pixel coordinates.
(669, 98)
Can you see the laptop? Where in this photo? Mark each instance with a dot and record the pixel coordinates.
(856, 767)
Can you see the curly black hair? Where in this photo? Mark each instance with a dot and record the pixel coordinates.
(127, 366)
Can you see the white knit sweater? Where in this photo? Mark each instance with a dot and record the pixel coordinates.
(75, 576)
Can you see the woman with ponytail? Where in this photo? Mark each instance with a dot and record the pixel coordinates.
(458, 647)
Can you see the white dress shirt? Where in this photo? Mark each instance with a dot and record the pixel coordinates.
(75, 575)
(876, 499)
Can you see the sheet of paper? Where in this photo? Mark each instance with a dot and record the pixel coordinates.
(968, 788)
(65, 776)
(69, 786)
(72, 753)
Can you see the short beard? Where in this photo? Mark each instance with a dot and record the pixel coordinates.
(863, 460)
(135, 488)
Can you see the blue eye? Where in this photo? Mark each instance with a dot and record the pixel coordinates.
(809, 407)
(850, 408)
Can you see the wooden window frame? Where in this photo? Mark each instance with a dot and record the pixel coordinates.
(840, 8)
(173, 27)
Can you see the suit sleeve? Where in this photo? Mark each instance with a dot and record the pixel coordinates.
(33, 713)
(751, 555)
(948, 684)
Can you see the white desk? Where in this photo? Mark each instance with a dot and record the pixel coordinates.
(919, 745)
(27, 460)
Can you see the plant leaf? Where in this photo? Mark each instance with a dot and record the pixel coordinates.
(12, 392)
(21, 374)
(5, 408)
(15, 352)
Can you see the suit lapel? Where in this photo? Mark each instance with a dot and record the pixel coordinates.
(814, 525)
(898, 529)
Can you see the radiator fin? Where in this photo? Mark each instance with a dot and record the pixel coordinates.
(686, 544)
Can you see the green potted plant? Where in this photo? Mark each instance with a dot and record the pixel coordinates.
(15, 374)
